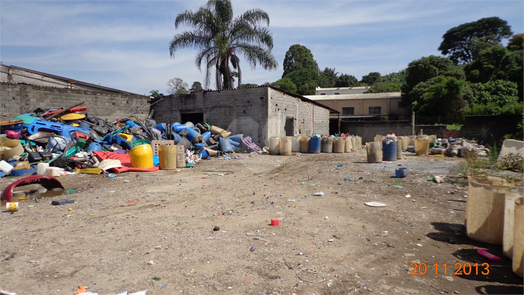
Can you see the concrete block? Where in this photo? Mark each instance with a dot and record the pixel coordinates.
(512, 146)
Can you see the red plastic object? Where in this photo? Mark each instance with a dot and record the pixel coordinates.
(76, 135)
(48, 182)
(125, 160)
(275, 222)
(488, 255)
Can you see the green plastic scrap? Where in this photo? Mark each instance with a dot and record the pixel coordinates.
(398, 186)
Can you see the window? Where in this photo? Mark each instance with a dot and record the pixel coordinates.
(375, 110)
(347, 111)
(400, 104)
(337, 93)
(323, 93)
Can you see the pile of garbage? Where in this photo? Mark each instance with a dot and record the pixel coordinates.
(55, 142)
(457, 147)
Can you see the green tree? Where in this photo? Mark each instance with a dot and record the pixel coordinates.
(370, 78)
(379, 87)
(248, 85)
(497, 63)
(305, 80)
(345, 80)
(328, 78)
(426, 68)
(197, 86)
(516, 42)
(441, 96)
(299, 57)
(285, 84)
(154, 93)
(499, 92)
(219, 37)
(462, 43)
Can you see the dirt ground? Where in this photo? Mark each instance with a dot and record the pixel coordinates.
(206, 230)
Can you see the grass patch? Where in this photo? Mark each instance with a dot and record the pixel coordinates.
(454, 127)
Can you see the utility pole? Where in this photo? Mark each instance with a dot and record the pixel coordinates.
(413, 123)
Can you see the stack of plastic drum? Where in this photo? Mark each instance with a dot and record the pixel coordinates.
(286, 145)
(274, 145)
(349, 145)
(327, 144)
(315, 144)
(304, 144)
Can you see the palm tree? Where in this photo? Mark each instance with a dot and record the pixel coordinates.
(219, 38)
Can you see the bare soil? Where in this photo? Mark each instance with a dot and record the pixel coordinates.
(206, 230)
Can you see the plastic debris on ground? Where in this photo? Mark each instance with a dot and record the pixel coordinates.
(66, 140)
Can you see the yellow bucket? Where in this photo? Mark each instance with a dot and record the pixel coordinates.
(141, 156)
(167, 156)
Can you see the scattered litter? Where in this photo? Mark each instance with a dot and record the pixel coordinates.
(348, 179)
(375, 204)
(488, 255)
(62, 202)
(438, 179)
(398, 186)
(408, 196)
(318, 194)
(151, 262)
(253, 248)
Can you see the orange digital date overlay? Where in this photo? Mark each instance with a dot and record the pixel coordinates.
(461, 269)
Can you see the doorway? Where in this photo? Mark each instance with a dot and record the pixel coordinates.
(289, 127)
(194, 118)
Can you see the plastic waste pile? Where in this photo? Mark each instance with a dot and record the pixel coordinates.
(60, 141)
(461, 147)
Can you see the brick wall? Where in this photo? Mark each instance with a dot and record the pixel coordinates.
(18, 99)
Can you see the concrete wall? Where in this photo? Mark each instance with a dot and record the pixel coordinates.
(485, 128)
(239, 111)
(16, 99)
(16, 75)
(258, 112)
(307, 117)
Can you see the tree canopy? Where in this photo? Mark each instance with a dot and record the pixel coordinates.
(298, 57)
(463, 43)
(370, 78)
(516, 42)
(219, 38)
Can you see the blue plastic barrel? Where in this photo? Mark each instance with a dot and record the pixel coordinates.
(192, 134)
(389, 150)
(177, 127)
(236, 137)
(314, 145)
(225, 145)
(233, 142)
(161, 127)
(205, 137)
(198, 146)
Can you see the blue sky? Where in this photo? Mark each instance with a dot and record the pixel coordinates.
(125, 44)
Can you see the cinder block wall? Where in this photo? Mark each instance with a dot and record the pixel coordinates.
(258, 112)
(16, 99)
(239, 111)
(307, 117)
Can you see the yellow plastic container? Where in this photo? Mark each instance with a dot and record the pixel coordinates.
(286, 145)
(485, 209)
(128, 137)
(339, 145)
(89, 171)
(167, 157)
(141, 156)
